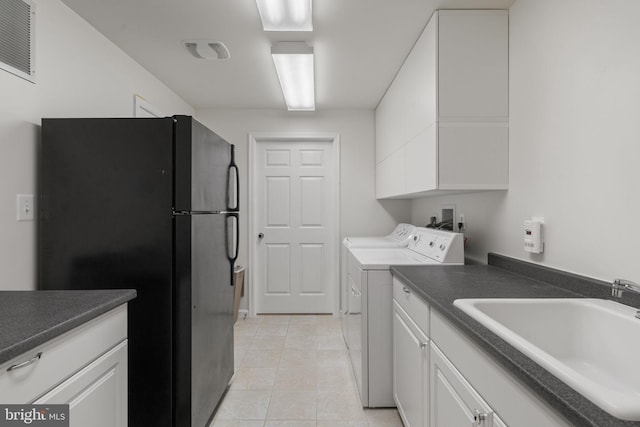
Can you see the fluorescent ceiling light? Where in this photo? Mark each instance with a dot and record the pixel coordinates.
(294, 65)
(285, 15)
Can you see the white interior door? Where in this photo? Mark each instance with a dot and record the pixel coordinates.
(295, 206)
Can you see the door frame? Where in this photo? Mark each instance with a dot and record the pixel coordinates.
(254, 139)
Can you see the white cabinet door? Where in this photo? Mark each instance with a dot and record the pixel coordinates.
(442, 125)
(515, 402)
(410, 370)
(388, 180)
(473, 65)
(97, 395)
(453, 401)
(422, 161)
(406, 123)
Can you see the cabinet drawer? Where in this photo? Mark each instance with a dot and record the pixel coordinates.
(61, 357)
(515, 402)
(454, 402)
(97, 395)
(414, 306)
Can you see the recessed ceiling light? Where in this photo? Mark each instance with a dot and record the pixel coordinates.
(285, 15)
(294, 65)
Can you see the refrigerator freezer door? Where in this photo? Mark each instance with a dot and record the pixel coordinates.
(202, 160)
(204, 328)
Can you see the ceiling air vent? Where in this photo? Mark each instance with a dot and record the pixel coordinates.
(207, 49)
(17, 39)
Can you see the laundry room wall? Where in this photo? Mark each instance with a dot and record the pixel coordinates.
(79, 73)
(360, 213)
(574, 141)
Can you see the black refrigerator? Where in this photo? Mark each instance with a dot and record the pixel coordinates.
(149, 204)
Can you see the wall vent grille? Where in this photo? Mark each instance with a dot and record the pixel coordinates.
(17, 41)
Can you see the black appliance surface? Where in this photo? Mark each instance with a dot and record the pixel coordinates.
(132, 203)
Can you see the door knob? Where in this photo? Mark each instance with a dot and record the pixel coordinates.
(260, 235)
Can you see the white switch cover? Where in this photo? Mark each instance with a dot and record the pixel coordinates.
(25, 207)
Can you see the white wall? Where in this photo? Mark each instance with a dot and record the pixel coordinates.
(574, 140)
(78, 73)
(360, 213)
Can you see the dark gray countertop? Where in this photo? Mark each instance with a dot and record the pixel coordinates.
(440, 286)
(31, 318)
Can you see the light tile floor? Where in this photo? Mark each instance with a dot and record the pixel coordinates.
(294, 371)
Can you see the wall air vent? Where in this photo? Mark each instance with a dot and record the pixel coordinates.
(17, 37)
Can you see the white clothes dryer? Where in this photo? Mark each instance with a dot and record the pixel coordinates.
(369, 319)
(398, 238)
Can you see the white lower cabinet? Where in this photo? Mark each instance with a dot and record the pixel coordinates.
(441, 378)
(453, 401)
(410, 369)
(410, 356)
(489, 381)
(97, 395)
(85, 368)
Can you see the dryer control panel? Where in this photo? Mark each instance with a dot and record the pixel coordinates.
(402, 231)
(442, 246)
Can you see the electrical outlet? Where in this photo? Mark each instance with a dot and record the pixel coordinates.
(461, 223)
(25, 207)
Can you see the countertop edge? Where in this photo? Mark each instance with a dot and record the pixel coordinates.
(77, 319)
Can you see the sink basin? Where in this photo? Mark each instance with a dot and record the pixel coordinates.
(592, 345)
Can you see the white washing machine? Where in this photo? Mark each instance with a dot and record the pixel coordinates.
(398, 238)
(370, 308)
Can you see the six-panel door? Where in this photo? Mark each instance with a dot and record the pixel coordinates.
(295, 205)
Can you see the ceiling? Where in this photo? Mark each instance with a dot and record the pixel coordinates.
(359, 46)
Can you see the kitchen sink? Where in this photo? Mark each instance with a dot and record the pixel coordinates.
(592, 345)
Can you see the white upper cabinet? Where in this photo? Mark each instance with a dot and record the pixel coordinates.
(443, 123)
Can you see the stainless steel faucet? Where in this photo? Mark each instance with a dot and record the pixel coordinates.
(620, 285)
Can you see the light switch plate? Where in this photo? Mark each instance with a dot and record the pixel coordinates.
(25, 207)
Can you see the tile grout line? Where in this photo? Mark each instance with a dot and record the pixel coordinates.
(266, 415)
(281, 364)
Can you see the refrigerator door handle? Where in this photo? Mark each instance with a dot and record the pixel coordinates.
(233, 204)
(232, 255)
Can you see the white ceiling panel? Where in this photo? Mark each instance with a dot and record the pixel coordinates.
(359, 46)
